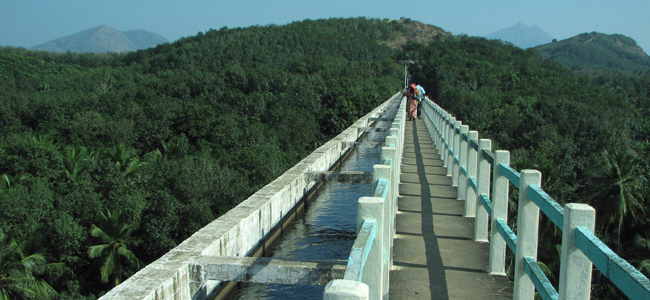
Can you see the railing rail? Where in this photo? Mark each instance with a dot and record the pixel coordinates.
(371, 257)
(483, 177)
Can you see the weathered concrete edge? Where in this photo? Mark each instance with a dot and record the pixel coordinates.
(239, 231)
(267, 270)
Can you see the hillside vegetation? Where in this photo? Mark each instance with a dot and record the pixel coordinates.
(597, 52)
(587, 135)
(107, 161)
(159, 142)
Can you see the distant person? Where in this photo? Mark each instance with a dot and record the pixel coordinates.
(421, 94)
(412, 100)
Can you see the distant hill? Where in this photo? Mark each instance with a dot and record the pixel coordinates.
(598, 51)
(413, 31)
(103, 39)
(522, 36)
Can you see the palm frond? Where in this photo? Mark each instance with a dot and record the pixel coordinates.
(97, 250)
(123, 251)
(33, 261)
(109, 267)
(97, 232)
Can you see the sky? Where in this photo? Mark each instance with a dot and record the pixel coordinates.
(27, 23)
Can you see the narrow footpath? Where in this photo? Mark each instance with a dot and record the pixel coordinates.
(434, 255)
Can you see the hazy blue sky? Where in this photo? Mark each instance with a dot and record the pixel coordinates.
(26, 23)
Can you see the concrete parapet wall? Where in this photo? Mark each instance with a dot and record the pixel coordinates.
(240, 231)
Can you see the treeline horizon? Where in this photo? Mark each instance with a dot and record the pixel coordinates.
(137, 151)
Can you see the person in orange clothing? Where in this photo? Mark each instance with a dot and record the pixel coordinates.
(412, 100)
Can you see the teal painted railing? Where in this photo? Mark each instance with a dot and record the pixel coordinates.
(367, 272)
(483, 177)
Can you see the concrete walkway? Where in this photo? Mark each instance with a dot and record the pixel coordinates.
(434, 255)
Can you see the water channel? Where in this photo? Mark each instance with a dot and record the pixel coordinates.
(327, 230)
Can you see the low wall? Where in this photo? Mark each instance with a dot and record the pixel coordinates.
(240, 231)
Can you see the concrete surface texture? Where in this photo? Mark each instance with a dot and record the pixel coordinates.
(238, 232)
(434, 255)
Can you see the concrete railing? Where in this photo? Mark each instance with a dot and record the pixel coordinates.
(483, 177)
(367, 272)
(222, 250)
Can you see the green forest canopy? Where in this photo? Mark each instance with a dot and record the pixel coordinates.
(588, 135)
(174, 136)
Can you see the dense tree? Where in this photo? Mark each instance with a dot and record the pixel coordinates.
(21, 268)
(116, 238)
(620, 187)
(176, 135)
(557, 121)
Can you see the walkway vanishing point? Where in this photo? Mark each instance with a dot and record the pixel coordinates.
(434, 254)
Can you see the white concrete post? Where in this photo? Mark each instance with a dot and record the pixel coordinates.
(400, 139)
(428, 115)
(449, 140)
(500, 192)
(439, 122)
(341, 289)
(390, 153)
(527, 234)
(482, 188)
(462, 158)
(446, 134)
(401, 121)
(394, 134)
(384, 172)
(450, 144)
(372, 208)
(472, 160)
(436, 124)
(575, 267)
(454, 165)
(392, 140)
(395, 130)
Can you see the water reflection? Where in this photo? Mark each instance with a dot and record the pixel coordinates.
(328, 228)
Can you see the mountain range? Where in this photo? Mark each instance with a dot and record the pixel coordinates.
(103, 39)
(587, 51)
(598, 51)
(522, 36)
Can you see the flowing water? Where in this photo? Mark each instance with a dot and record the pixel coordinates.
(327, 230)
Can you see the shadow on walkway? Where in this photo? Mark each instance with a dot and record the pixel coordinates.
(434, 254)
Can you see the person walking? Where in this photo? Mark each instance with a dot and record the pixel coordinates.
(421, 98)
(412, 100)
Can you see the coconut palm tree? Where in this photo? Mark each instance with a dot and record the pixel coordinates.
(19, 270)
(116, 240)
(621, 185)
(75, 160)
(125, 160)
(7, 182)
